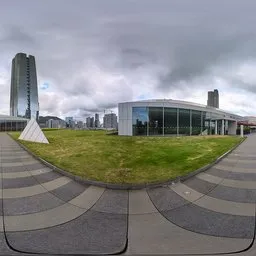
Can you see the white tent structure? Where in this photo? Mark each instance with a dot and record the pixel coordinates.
(33, 132)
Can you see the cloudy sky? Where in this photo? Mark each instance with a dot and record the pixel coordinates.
(92, 54)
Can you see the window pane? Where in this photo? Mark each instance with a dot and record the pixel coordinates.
(170, 120)
(155, 121)
(2, 125)
(184, 121)
(139, 120)
(196, 122)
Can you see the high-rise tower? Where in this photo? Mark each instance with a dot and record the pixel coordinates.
(24, 91)
(213, 99)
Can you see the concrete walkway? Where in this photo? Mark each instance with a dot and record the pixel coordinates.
(44, 212)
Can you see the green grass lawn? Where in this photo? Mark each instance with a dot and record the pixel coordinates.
(122, 159)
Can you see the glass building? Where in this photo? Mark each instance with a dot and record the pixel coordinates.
(9, 123)
(24, 91)
(170, 117)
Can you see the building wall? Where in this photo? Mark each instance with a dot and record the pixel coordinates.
(213, 99)
(52, 123)
(170, 117)
(12, 125)
(97, 120)
(110, 121)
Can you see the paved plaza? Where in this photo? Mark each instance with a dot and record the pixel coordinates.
(45, 212)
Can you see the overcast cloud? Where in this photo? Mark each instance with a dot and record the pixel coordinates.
(90, 55)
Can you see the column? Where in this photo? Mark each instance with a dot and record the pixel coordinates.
(241, 130)
(190, 122)
(222, 126)
(163, 121)
(178, 121)
(216, 127)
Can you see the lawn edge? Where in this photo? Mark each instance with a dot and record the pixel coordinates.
(127, 186)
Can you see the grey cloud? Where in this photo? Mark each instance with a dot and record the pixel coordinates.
(128, 41)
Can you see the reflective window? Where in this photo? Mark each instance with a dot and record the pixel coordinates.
(155, 121)
(170, 120)
(204, 126)
(196, 122)
(139, 120)
(2, 125)
(184, 121)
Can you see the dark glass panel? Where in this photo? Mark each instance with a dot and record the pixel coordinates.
(196, 122)
(155, 121)
(139, 120)
(184, 121)
(170, 120)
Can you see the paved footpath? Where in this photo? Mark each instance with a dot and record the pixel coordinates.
(45, 212)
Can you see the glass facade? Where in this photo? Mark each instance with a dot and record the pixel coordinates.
(170, 121)
(12, 125)
(24, 91)
(184, 122)
(140, 121)
(155, 121)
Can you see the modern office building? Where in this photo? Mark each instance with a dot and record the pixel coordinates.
(213, 99)
(90, 122)
(173, 117)
(80, 125)
(55, 123)
(70, 122)
(10, 123)
(24, 92)
(97, 121)
(110, 121)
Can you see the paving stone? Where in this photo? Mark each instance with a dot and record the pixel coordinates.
(153, 234)
(14, 169)
(113, 201)
(214, 204)
(165, 199)
(199, 185)
(91, 233)
(14, 175)
(36, 166)
(234, 194)
(68, 191)
(235, 169)
(25, 163)
(44, 219)
(46, 177)
(15, 160)
(4, 248)
(88, 198)
(201, 220)
(186, 192)
(140, 203)
(36, 189)
(19, 156)
(227, 182)
(31, 204)
(19, 182)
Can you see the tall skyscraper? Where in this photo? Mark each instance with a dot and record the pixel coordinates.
(110, 121)
(213, 99)
(24, 91)
(97, 120)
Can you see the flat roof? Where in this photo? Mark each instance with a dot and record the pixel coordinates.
(14, 118)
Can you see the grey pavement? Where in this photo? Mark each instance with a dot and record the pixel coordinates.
(43, 212)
